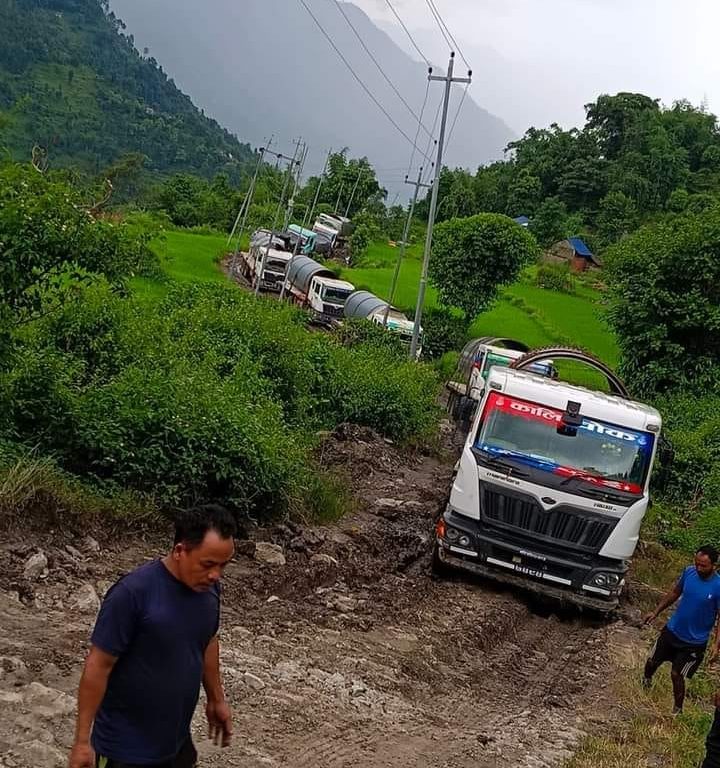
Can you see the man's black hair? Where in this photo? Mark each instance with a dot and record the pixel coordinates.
(192, 525)
(711, 552)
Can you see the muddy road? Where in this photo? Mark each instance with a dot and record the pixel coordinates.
(339, 647)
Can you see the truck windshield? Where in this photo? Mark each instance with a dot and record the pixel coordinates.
(276, 265)
(542, 369)
(335, 295)
(599, 453)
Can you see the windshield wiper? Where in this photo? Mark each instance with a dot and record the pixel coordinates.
(496, 461)
(595, 490)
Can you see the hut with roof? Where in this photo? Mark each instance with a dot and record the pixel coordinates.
(575, 252)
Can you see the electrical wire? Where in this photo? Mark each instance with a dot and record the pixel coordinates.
(417, 133)
(446, 33)
(457, 114)
(354, 73)
(439, 23)
(407, 32)
(380, 69)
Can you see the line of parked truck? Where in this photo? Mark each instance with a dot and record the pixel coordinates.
(280, 262)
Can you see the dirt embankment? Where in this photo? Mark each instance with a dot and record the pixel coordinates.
(339, 647)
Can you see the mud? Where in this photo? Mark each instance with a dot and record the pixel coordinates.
(351, 653)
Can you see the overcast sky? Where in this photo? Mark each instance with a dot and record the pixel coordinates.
(539, 61)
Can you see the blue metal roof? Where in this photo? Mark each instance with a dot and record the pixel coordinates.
(523, 221)
(580, 248)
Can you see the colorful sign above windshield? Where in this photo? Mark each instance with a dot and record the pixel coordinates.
(607, 455)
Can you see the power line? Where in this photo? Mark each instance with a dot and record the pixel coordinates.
(417, 133)
(452, 42)
(457, 114)
(438, 22)
(407, 32)
(380, 69)
(427, 150)
(354, 73)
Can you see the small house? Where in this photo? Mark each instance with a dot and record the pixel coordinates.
(576, 253)
(523, 221)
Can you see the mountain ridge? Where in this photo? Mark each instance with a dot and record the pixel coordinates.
(71, 81)
(266, 68)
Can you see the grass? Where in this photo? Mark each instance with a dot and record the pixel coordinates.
(185, 257)
(644, 733)
(537, 316)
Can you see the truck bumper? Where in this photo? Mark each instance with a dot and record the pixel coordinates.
(558, 573)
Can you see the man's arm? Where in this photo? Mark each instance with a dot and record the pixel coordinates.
(218, 712)
(93, 685)
(670, 597)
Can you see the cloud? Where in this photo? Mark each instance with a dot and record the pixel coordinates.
(556, 55)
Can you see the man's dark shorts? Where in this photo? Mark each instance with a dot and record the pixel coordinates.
(185, 758)
(685, 658)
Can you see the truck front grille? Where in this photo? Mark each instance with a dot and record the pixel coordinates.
(333, 311)
(580, 530)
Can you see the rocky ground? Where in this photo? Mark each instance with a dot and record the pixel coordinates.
(339, 647)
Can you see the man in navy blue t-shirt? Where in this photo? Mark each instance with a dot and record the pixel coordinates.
(155, 641)
(685, 637)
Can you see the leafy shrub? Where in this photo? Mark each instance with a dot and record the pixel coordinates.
(210, 394)
(443, 331)
(473, 257)
(663, 302)
(555, 277)
(355, 332)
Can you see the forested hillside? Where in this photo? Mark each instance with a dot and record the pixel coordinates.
(72, 82)
(633, 161)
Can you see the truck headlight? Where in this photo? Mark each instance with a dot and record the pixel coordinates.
(606, 580)
(464, 541)
(452, 534)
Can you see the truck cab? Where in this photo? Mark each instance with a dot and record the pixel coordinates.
(398, 324)
(467, 384)
(328, 295)
(551, 488)
(274, 265)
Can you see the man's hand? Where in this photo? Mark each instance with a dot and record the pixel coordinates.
(82, 756)
(219, 722)
(649, 618)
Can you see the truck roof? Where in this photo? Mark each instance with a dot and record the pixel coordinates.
(273, 253)
(335, 283)
(556, 394)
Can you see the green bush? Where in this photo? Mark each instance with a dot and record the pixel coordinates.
(443, 331)
(556, 277)
(355, 332)
(210, 394)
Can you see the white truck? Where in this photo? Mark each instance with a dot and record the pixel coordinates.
(314, 287)
(367, 306)
(552, 486)
(466, 386)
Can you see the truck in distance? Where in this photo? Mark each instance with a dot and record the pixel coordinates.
(314, 287)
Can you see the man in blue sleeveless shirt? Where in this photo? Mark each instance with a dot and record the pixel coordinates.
(685, 637)
(155, 641)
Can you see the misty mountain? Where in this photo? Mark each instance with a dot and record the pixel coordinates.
(262, 67)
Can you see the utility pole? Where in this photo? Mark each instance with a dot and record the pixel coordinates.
(449, 80)
(249, 195)
(291, 201)
(293, 160)
(337, 202)
(401, 255)
(352, 196)
(308, 216)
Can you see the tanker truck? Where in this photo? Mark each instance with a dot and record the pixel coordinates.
(552, 484)
(367, 306)
(314, 287)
